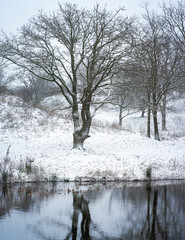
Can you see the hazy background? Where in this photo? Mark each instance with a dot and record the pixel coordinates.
(14, 13)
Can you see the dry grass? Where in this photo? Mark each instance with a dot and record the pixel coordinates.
(11, 170)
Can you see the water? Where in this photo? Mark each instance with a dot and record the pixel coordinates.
(93, 212)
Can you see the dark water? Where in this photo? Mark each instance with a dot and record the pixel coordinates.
(111, 211)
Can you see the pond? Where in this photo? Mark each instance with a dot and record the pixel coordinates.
(126, 210)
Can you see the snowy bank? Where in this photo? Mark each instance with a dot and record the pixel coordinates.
(36, 145)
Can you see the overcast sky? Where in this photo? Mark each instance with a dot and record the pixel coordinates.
(14, 13)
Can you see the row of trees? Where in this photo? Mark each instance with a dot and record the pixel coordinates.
(94, 57)
(155, 66)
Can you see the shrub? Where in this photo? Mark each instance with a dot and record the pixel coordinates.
(54, 178)
(4, 176)
(149, 173)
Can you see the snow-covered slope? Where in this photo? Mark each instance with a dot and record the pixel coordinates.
(37, 145)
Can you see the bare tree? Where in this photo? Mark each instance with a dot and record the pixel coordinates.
(125, 94)
(155, 61)
(175, 18)
(175, 22)
(76, 49)
(38, 89)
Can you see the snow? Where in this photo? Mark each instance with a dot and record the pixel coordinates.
(44, 140)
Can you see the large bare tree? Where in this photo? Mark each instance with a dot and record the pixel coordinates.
(78, 50)
(175, 19)
(174, 14)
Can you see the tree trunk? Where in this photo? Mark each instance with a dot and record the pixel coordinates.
(120, 115)
(148, 122)
(148, 117)
(121, 111)
(163, 114)
(78, 139)
(154, 111)
(81, 131)
(156, 130)
(143, 112)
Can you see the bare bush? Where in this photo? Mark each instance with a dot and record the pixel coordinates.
(21, 170)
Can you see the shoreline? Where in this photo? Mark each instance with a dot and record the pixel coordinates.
(96, 181)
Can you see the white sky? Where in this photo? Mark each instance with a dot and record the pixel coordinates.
(14, 13)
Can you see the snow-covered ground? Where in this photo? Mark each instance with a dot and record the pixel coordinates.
(37, 145)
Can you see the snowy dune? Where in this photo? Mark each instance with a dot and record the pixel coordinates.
(36, 145)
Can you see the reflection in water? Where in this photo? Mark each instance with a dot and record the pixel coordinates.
(80, 205)
(125, 211)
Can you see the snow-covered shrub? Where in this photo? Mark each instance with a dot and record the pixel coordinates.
(128, 127)
(142, 130)
(4, 176)
(53, 178)
(5, 166)
(28, 164)
(113, 126)
(103, 175)
(149, 173)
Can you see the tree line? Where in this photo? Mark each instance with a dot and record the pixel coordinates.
(97, 56)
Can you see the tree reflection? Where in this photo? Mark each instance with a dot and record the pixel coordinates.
(22, 197)
(161, 221)
(80, 205)
(154, 211)
(5, 202)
